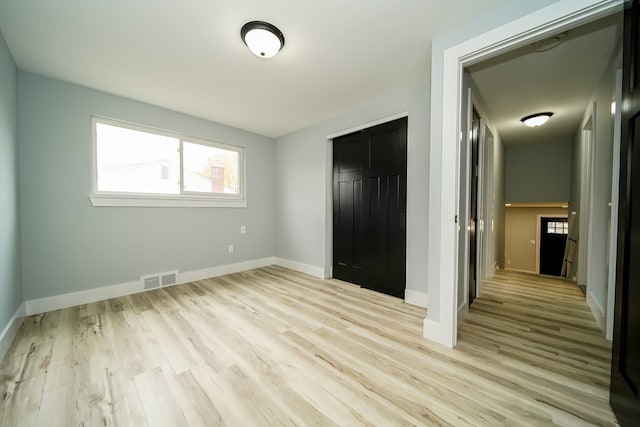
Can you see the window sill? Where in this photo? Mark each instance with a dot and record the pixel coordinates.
(165, 202)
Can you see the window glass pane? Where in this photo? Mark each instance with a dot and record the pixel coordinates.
(210, 169)
(551, 228)
(131, 161)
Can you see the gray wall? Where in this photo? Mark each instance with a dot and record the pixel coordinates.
(539, 172)
(601, 211)
(302, 162)
(10, 261)
(521, 231)
(68, 245)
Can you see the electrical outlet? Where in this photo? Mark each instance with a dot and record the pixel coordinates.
(243, 229)
(230, 249)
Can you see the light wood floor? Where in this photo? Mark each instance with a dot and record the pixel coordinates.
(274, 347)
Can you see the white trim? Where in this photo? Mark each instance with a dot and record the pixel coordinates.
(311, 270)
(11, 330)
(519, 270)
(368, 125)
(71, 299)
(442, 266)
(615, 182)
(56, 302)
(598, 312)
(587, 190)
(192, 199)
(436, 332)
(463, 312)
(487, 182)
(221, 270)
(480, 208)
(415, 298)
(167, 202)
(328, 210)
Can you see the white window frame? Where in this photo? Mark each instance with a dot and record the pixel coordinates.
(185, 198)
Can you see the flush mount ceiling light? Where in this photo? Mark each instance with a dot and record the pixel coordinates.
(536, 120)
(262, 38)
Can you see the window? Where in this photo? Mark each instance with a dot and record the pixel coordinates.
(560, 227)
(139, 166)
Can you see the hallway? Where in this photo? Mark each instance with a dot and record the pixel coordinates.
(540, 334)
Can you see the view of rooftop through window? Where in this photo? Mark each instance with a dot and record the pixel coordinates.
(134, 161)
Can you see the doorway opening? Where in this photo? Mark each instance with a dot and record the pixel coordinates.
(552, 238)
(474, 176)
(546, 167)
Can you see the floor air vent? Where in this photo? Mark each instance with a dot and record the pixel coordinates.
(150, 282)
(168, 279)
(159, 279)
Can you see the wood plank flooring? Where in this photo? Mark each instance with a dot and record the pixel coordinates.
(273, 347)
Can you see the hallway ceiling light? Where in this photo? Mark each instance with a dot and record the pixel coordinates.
(262, 38)
(536, 120)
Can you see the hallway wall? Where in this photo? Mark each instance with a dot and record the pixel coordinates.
(538, 173)
(521, 236)
(593, 258)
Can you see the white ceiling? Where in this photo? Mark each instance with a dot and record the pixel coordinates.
(561, 80)
(187, 55)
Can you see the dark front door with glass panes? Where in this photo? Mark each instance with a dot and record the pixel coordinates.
(553, 238)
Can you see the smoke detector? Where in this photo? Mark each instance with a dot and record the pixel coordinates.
(550, 42)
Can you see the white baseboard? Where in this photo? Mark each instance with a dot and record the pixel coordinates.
(206, 273)
(598, 312)
(71, 299)
(519, 270)
(463, 312)
(311, 270)
(415, 298)
(11, 330)
(56, 302)
(433, 331)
